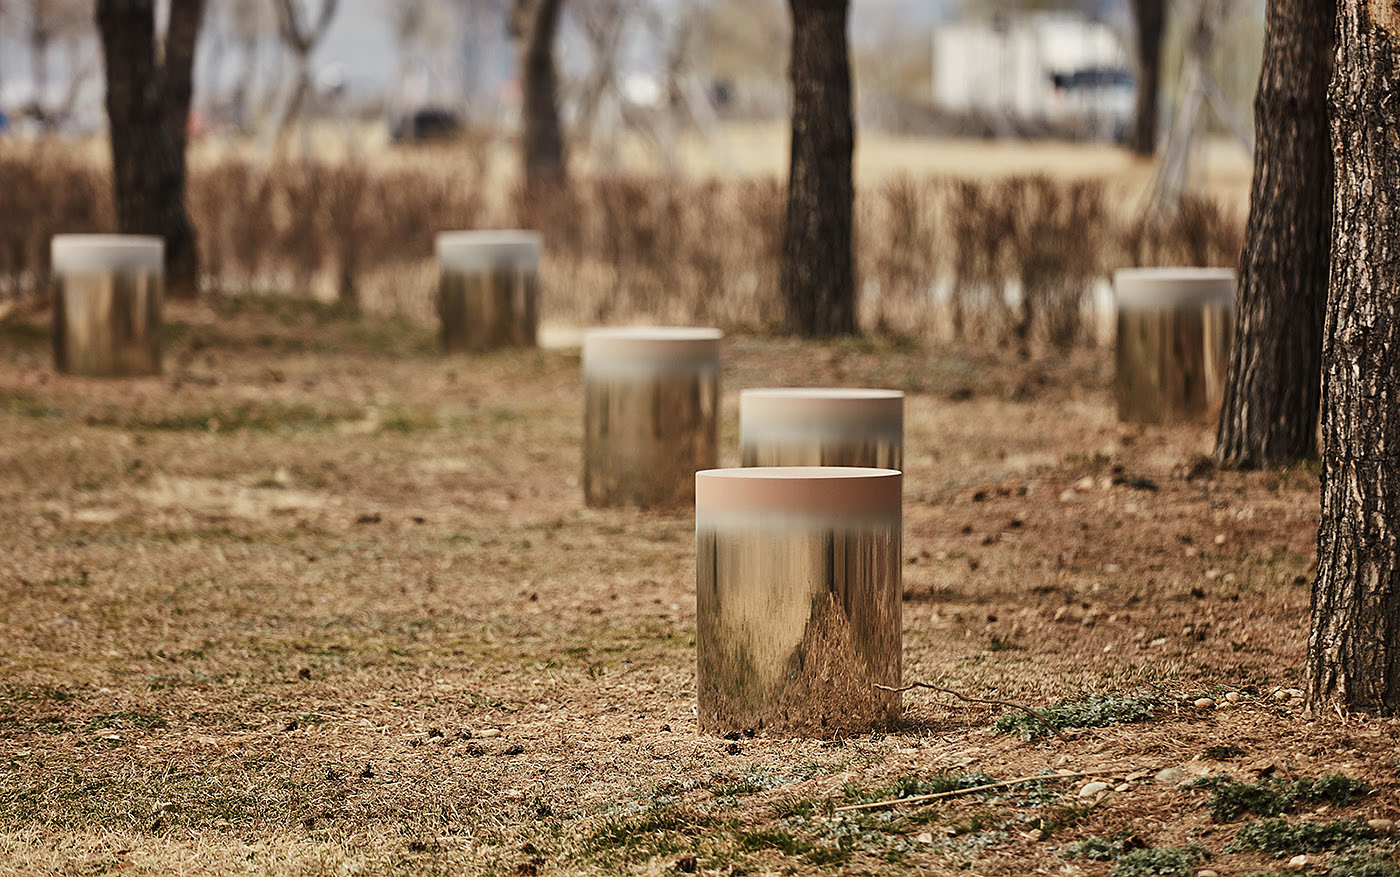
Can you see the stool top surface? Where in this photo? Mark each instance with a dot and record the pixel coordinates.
(846, 491)
(106, 252)
(651, 348)
(487, 249)
(1174, 287)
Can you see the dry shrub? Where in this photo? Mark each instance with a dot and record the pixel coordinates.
(898, 248)
(981, 225)
(45, 191)
(1200, 232)
(1057, 252)
(633, 248)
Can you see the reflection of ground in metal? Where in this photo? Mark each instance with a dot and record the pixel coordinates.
(107, 311)
(488, 289)
(651, 403)
(1174, 331)
(798, 613)
(822, 427)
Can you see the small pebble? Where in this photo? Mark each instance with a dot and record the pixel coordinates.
(1205, 703)
(1382, 826)
(1207, 873)
(1169, 776)
(1085, 483)
(1121, 787)
(1092, 789)
(1219, 538)
(1068, 496)
(925, 838)
(487, 732)
(1298, 862)
(1233, 697)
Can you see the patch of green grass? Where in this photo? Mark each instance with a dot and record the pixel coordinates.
(751, 783)
(1164, 861)
(1056, 818)
(772, 839)
(285, 308)
(1102, 849)
(26, 405)
(1370, 865)
(1098, 711)
(916, 786)
(254, 416)
(654, 831)
(795, 808)
(20, 334)
(1231, 799)
(1281, 837)
(40, 693)
(127, 719)
(823, 856)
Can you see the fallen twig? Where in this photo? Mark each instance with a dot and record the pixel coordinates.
(921, 799)
(960, 696)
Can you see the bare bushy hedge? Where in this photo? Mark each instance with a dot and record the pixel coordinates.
(999, 260)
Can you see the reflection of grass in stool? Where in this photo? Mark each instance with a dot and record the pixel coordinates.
(487, 310)
(108, 324)
(796, 628)
(1171, 363)
(647, 437)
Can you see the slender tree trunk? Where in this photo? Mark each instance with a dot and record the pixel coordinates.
(817, 271)
(1354, 647)
(534, 23)
(1150, 19)
(1269, 415)
(147, 105)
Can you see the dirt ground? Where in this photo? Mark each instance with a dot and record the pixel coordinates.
(319, 601)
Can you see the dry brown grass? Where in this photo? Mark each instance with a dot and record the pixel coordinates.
(259, 612)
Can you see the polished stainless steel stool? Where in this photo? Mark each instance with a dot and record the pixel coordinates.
(798, 597)
(651, 414)
(488, 289)
(107, 306)
(821, 427)
(1174, 332)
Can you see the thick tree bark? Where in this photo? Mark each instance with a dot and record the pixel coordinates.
(534, 24)
(148, 101)
(1150, 20)
(817, 271)
(1354, 647)
(1269, 416)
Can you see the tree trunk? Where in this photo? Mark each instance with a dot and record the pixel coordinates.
(1150, 18)
(1354, 647)
(534, 23)
(147, 104)
(1269, 416)
(818, 275)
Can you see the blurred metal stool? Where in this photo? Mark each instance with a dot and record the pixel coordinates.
(651, 414)
(821, 427)
(107, 307)
(488, 289)
(1174, 332)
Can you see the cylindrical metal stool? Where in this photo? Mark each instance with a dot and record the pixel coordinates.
(1174, 329)
(798, 599)
(651, 414)
(488, 289)
(822, 427)
(107, 308)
